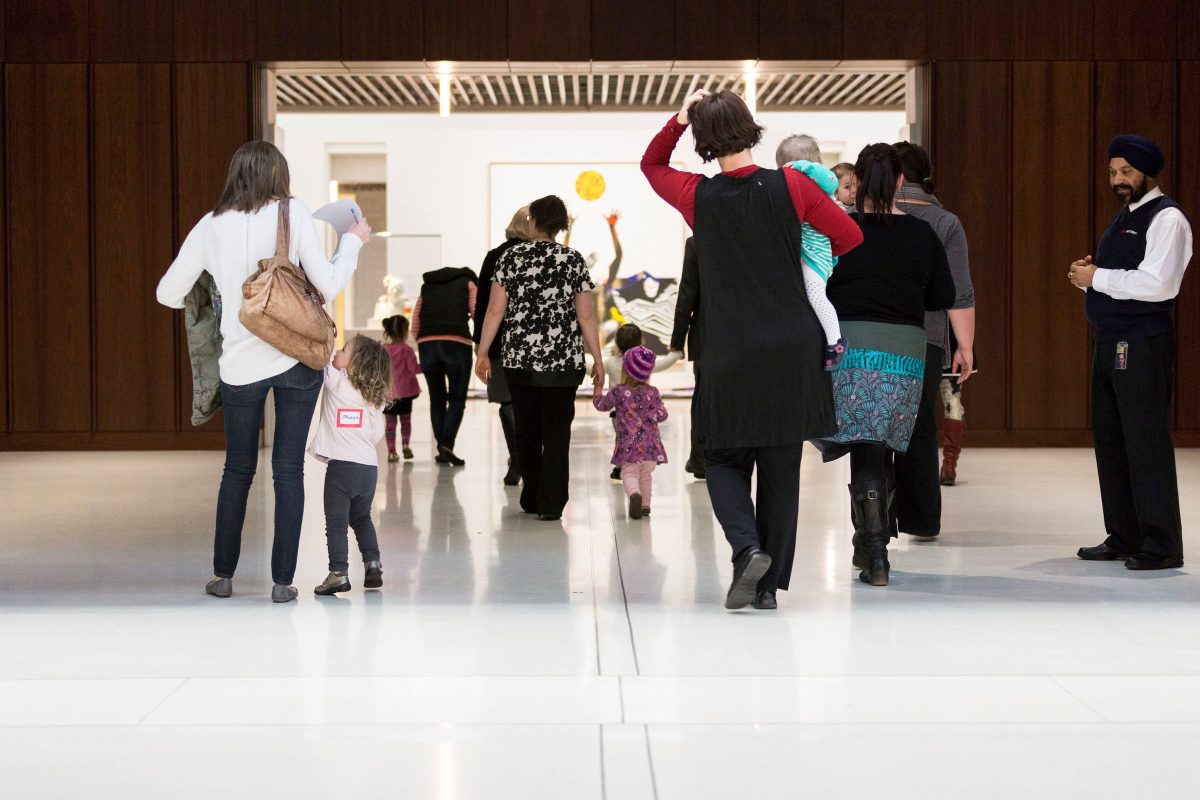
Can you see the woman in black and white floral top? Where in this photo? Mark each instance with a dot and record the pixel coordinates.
(542, 292)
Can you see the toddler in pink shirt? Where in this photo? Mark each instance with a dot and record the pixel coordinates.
(639, 409)
(357, 386)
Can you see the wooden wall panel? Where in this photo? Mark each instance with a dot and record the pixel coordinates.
(1132, 97)
(133, 243)
(1064, 35)
(1188, 25)
(549, 30)
(800, 30)
(1136, 31)
(616, 37)
(297, 30)
(706, 29)
(1051, 345)
(213, 117)
(214, 30)
(1185, 188)
(47, 31)
(46, 122)
(879, 29)
(5, 336)
(972, 154)
(462, 30)
(383, 30)
(970, 30)
(131, 31)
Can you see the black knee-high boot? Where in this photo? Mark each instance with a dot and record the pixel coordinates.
(869, 509)
(509, 425)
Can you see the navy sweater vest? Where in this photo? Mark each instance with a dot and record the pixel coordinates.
(1123, 246)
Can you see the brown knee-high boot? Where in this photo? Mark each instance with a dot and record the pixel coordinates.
(954, 434)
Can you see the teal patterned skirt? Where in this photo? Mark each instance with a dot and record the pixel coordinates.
(877, 389)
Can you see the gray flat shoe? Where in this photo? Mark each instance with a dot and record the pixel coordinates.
(282, 593)
(334, 582)
(220, 587)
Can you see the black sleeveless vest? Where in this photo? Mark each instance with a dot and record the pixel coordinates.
(1123, 246)
(446, 302)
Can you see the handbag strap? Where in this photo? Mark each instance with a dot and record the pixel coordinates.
(282, 231)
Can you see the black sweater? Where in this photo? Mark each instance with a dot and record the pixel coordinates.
(897, 274)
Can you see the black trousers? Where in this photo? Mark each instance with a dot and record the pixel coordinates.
(447, 368)
(349, 495)
(769, 520)
(1135, 459)
(918, 479)
(543, 422)
(697, 454)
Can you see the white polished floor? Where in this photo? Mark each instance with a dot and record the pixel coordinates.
(592, 658)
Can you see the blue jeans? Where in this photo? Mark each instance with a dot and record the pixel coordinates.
(296, 394)
(447, 368)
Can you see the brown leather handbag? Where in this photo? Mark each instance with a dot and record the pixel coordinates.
(282, 307)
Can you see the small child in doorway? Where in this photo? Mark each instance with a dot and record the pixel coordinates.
(639, 409)
(627, 337)
(817, 255)
(357, 385)
(405, 369)
(845, 188)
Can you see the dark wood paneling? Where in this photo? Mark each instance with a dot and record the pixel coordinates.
(1136, 31)
(138, 440)
(213, 117)
(1064, 34)
(633, 30)
(46, 122)
(874, 29)
(799, 30)
(1189, 30)
(710, 29)
(298, 30)
(549, 30)
(1186, 189)
(132, 236)
(972, 154)
(1050, 229)
(5, 337)
(970, 30)
(132, 31)
(383, 30)
(1132, 97)
(46, 31)
(214, 30)
(462, 30)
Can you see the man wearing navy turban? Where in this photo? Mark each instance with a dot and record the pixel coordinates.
(1131, 289)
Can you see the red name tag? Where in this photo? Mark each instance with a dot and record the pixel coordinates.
(349, 418)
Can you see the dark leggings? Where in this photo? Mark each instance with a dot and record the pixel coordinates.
(868, 462)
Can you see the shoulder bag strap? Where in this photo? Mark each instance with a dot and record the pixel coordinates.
(282, 231)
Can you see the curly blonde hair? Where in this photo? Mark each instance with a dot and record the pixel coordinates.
(370, 370)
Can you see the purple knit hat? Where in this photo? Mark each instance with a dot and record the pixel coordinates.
(638, 363)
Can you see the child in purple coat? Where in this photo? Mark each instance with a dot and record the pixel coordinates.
(639, 409)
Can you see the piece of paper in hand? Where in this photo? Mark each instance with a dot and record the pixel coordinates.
(341, 214)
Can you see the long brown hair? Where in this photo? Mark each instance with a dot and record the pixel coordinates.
(370, 370)
(258, 174)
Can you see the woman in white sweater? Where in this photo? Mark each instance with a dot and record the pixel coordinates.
(229, 242)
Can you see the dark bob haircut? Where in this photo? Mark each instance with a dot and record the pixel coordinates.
(914, 161)
(549, 215)
(723, 125)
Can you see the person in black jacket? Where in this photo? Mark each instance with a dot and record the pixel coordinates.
(687, 331)
(497, 389)
(441, 326)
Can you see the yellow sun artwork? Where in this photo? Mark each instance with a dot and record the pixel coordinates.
(589, 185)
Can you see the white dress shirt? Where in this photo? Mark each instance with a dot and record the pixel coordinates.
(1168, 251)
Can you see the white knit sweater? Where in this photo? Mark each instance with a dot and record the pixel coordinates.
(229, 247)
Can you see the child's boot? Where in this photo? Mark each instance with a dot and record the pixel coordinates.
(834, 353)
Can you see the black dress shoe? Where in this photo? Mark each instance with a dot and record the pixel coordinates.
(446, 456)
(615, 474)
(1103, 552)
(1153, 561)
(766, 601)
(750, 566)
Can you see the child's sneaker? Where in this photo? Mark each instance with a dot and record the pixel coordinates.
(615, 474)
(393, 458)
(834, 353)
(408, 455)
(374, 575)
(635, 506)
(335, 582)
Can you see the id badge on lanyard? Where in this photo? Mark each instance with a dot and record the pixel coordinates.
(1122, 355)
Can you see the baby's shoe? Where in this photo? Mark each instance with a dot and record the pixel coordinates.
(334, 582)
(408, 454)
(834, 353)
(393, 457)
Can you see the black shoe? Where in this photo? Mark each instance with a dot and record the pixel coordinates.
(635, 506)
(513, 476)
(449, 458)
(1153, 561)
(508, 424)
(373, 579)
(749, 568)
(697, 470)
(615, 474)
(1103, 552)
(766, 601)
(549, 517)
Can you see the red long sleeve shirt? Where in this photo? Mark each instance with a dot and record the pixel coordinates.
(679, 189)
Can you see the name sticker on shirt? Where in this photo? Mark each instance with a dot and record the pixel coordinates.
(349, 418)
